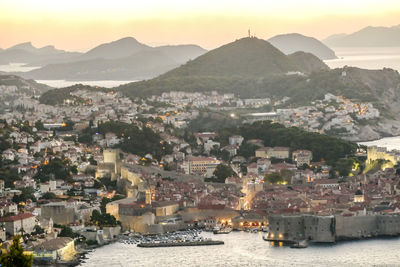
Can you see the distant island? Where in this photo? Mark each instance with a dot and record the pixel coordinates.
(294, 42)
(124, 59)
(367, 37)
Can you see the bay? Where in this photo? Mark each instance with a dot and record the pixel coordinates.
(366, 57)
(17, 67)
(247, 249)
(64, 83)
(391, 143)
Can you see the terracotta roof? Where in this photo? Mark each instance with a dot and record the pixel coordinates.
(18, 217)
(54, 244)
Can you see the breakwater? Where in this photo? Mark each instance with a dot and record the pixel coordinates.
(181, 244)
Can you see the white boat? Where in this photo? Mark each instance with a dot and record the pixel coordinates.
(300, 244)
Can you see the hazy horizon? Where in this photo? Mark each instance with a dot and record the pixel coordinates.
(82, 25)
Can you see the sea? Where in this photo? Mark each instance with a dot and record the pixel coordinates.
(391, 143)
(64, 83)
(366, 57)
(249, 249)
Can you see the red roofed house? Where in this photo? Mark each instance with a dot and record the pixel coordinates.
(204, 137)
(14, 224)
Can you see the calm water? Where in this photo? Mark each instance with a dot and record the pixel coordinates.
(64, 83)
(366, 57)
(388, 142)
(245, 249)
(13, 67)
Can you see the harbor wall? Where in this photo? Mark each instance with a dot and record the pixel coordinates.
(314, 228)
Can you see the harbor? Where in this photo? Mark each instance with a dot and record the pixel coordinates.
(249, 249)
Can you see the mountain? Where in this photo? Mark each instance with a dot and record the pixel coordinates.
(27, 53)
(294, 42)
(117, 49)
(245, 57)
(141, 65)
(367, 37)
(27, 46)
(28, 86)
(307, 62)
(181, 53)
(124, 59)
(240, 67)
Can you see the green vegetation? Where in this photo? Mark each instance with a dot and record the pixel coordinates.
(103, 219)
(56, 169)
(49, 195)
(15, 256)
(273, 178)
(377, 165)
(26, 193)
(211, 121)
(57, 96)
(7, 172)
(134, 140)
(37, 230)
(66, 231)
(323, 147)
(105, 201)
(221, 173)
(243, 67)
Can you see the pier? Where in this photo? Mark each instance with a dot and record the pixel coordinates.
(181, 244)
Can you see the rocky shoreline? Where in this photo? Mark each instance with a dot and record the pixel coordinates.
(375, 132)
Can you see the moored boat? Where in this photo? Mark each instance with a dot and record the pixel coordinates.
(300, 244)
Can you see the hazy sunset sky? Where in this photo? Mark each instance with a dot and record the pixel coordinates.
(83, 24)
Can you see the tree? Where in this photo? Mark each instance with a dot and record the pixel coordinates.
(49, 195)
(225, 155)
(67, 232)
(104, 219)
(26, 193)
(105, 201)
(37, 230)
(273, 178)
(222, 172)
(15, 256)
(59, 168)
(39, 125)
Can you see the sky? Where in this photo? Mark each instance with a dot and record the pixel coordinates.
(82, 24)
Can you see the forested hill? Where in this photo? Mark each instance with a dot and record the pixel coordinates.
(323, 147)
(239, 66)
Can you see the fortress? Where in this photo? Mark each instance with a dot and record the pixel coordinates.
(375, 153)
(332, 228)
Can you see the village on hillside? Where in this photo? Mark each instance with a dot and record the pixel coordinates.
(79, 174)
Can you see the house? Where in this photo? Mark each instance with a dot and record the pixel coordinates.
(1, 186)
(204, 137)
(201, 165)
(209, 145)
(327, 183)
(24, 222)
(252, 168)
(263, 164)
(8, 154)
(231, 149)
(302, 157)
(60, 248)
(278, 152)
(236, 140)
(262, 152)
